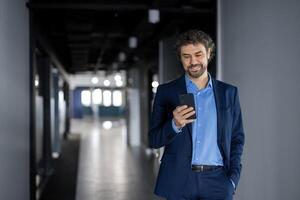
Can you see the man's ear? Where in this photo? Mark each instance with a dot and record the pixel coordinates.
(208, 53)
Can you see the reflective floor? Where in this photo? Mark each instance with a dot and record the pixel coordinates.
(108, 169)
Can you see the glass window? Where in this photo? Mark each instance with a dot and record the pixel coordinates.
(107, 98)
(86, 98)
(117, 98)
(61, 96)
(97, 96)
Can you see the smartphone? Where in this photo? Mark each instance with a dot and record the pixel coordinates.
(188, 99)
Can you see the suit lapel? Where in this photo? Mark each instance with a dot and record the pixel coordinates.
(181, 86)
(218, 100)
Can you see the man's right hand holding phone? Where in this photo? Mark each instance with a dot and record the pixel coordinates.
(181, 115)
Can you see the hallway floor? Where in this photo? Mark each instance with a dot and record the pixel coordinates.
(108, 169)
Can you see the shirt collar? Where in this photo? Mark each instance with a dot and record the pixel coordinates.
(189, 82)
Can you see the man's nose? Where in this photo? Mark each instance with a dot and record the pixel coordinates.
(193, 60)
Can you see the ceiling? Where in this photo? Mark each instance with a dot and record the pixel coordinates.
(89, 35)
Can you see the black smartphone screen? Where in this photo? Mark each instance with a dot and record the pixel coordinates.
(188, 99)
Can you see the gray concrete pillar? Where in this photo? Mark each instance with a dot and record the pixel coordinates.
(259, 47)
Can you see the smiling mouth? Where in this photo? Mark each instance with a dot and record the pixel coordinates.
(194, 68)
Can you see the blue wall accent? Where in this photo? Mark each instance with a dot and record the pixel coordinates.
(111, 111)
(76, 103)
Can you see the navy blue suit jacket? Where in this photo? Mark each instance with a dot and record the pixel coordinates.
(176, 160)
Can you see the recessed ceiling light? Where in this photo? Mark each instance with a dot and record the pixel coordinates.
(95, 80)
(106, 83)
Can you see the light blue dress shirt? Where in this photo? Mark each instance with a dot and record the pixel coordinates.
(204, 134)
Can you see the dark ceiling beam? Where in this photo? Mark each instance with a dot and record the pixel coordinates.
(86, 6)
(79, 45)
(52, 55)
(114, 7)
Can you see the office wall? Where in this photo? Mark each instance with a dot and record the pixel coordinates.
(14, 101)
(169, 65)
(260, 45)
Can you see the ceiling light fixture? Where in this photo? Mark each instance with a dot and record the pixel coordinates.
(95, 80)
(153, 16)
(119, 83)
(155, 84)
(133, 41)
(106, 83)
(122, 56)
(118, 77)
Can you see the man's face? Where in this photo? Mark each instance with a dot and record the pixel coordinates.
(194, 59)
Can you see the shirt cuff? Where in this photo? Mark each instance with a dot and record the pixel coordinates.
(175, 128)
(233, 184)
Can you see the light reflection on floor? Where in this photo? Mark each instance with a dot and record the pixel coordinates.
(108, 169)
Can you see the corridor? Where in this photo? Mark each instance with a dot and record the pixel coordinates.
(108, 168)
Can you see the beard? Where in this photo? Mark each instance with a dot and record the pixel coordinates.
(195, 71)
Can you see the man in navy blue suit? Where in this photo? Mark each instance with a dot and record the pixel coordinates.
(202, 156)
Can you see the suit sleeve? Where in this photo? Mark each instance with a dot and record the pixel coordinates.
(161, 132)
(237, 140)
